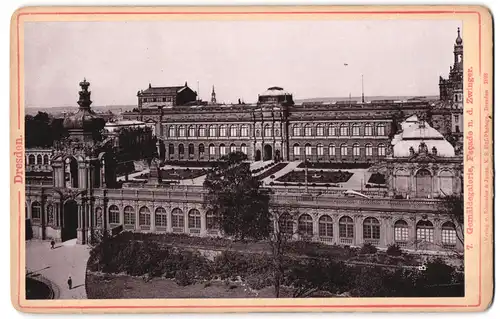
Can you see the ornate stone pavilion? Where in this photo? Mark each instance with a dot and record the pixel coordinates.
(79, 165)
(423, 163)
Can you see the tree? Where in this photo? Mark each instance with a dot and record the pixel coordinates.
(453, 205)
(237, 200)
(278, 239)
(41, 130)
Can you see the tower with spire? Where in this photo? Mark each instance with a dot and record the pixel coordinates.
(214, 99)
(451, 89)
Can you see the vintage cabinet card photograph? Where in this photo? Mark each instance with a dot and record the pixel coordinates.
(251, 159)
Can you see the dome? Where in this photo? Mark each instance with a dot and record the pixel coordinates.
(274, 91)
(417, 133)
(420, 131)
(83, 119)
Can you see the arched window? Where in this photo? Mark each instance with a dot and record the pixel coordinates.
(331, 149)
(296, 130)
(244, 148)
(36, 211)
(194, 219)
(244, 130)
(343, 149)
(210, 220)
(177, 218)
(46, 159)
(319, 149)
(381, 150)
(401, 231)
(191, 149)
(355, 129)
(448, 234)
(267, 130)
(331, 130)
(320, 130)
(222, 150)
(31, 159)
(222, 130)
(98, 217)
(308, 149)
(129, 215)
(425, 231)
(161, 217)
(325, 226)
(371, 228)
(144, 216)
(114, 214)
(182, 131)
(233, 131)
(50, 214)
(355, 149)
(346, 227)
(171, 131)
(344, 129)
(368, 130)
(201, 131)
(306, 225)
(308, 130)
(286, 223)
(181, 149)
(211, 149)
(296, 149)
(191, 131)
(446, 182)
(212, 132)
(380, 129)
(171, 149)
(201, 150)
(232, 148)
(368, 149)
(39, 160)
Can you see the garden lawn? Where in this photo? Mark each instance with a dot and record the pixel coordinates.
(316, 177)
(100, 286)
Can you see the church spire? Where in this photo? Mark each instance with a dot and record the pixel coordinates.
(214, 99)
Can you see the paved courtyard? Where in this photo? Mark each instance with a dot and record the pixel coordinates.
(68, 259)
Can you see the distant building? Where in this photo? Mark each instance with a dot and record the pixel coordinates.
(114, 126)
(165, 97)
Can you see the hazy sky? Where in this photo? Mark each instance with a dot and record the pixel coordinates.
(241, 58)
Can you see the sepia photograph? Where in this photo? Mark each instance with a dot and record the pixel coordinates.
(291, 158)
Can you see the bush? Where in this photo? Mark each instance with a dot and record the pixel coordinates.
(182, 278)
(394, 250)
(368, 249)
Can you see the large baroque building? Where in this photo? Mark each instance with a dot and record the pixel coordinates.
(82, 195)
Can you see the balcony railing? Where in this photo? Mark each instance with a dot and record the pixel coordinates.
(347, 241)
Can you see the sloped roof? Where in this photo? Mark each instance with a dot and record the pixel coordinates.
(163, 89)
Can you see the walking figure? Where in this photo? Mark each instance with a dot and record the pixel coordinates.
(52, 243)
(70, 282)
